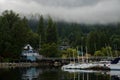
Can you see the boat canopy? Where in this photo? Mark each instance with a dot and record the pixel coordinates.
(115, 61)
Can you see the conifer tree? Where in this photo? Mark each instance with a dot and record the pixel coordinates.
(41, 31)
(51, 33)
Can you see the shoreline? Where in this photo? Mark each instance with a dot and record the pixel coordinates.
(27, 64)
(21, 64)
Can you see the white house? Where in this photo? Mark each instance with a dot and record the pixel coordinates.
(29, 53)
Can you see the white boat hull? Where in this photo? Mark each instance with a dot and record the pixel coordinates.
(114, 66)
(79, 66)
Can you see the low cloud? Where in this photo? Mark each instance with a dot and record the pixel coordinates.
(80, 11)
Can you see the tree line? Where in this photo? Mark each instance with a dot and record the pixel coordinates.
(100, 39)
(15, 33)
(46, 36)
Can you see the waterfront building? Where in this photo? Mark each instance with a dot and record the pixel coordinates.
(29, 54)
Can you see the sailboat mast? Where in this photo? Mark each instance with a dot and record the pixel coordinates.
(86, 55)
(78, 55)
(73, 56)
(82, 54)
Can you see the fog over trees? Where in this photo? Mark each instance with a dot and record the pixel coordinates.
(47, 35)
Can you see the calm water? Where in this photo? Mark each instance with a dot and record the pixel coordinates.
(52, 73)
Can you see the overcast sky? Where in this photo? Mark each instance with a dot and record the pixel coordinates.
(81, 11)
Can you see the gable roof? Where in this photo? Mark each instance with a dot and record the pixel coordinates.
(28, 46)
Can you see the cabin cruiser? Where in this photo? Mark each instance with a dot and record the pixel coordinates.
(115, 64)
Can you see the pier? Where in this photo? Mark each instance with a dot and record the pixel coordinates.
(52, 61)
(62, 61)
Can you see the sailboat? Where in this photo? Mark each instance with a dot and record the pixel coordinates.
(86, 65)
(83, 65)
(71, 65)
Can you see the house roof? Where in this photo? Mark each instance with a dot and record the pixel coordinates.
(28, 46)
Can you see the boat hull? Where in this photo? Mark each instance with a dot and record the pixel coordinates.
(114, 66)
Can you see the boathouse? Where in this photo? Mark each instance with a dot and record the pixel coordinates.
(29, 54)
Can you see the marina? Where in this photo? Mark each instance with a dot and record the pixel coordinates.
(59, 39)
(55, 73)
(113, 65)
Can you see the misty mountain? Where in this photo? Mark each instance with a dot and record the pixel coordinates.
(65, 28)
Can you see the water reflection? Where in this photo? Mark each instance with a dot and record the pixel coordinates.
(31, 73)
(115, 75)
(93, 75)
(51, 73)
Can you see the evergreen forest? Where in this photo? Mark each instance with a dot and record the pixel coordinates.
(47, 36)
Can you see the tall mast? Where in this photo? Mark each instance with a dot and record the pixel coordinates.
(82, 54)
(86, 55)
(78, 54)
(73, 56)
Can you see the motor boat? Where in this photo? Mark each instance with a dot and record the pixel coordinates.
(115, 64)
